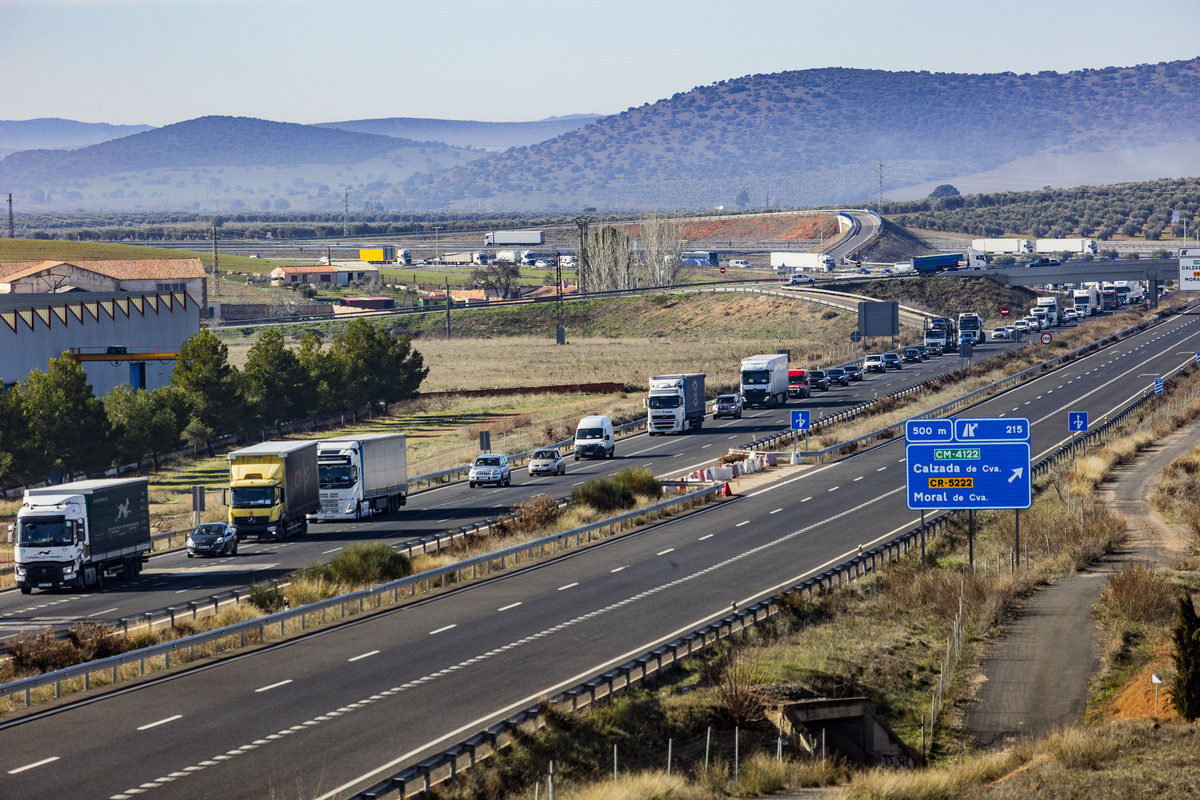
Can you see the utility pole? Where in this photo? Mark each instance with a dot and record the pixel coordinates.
(582, 224)
(216, 263)
(560, 335)
(12, 229)
(879, 199)
(449, 301)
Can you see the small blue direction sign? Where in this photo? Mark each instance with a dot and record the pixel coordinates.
(1077, 421)
(1198, 356)
(1158, 385)
(800, 420)
(981, 464)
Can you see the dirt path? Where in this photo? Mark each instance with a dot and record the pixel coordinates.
(1037, 678)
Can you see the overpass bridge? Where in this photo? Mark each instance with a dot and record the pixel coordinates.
(1154, 271)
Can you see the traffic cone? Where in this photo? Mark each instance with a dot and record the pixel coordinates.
(726, 492)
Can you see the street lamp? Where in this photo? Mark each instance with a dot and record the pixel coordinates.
(437, 253)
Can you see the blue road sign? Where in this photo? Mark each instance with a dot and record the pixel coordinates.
(984, 465)
(929, 430)
(1158, 385)
(800, 420)
(1077, 420)
(1198, 356)
(994, 429)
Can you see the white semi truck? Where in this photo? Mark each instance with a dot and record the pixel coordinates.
(998, 246)
(675, 403)
(70, 535)
(765, 380)
(1087, 301)
(805, 262)
(1080, 246)
(361, 474)
(1048, 311)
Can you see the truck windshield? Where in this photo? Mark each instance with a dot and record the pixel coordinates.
(252, 497)
(667, 401)
(758, 377)
(335, 476)
(45, 531)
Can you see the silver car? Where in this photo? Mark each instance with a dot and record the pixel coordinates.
(490, 468)
(547, 462)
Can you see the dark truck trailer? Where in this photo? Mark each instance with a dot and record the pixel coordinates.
(73, 534)
(928, 265)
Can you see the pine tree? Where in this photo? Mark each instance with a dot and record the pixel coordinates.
(1185, 692)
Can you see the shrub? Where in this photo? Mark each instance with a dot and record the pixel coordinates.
(94, 640)
(369, 564)
(266, 596)
(605, 495)
(641, 481)
(41, 652)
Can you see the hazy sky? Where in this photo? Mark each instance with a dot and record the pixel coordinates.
(162, 61)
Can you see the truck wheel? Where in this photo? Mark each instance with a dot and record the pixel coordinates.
(26, 589)
(303, 528)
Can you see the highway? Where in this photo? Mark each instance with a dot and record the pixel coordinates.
(340, 709)
(172, 580)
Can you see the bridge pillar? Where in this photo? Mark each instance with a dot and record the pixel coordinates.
(1152, 287)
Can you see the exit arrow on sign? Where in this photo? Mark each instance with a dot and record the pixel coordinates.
(1018, 472)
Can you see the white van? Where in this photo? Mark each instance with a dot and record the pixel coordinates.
(594, 438)
(740, 263)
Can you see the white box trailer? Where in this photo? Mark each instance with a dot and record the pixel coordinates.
(362, 474)
(807, 262)
(1013, 246)
(498, 238)
(1080, 246)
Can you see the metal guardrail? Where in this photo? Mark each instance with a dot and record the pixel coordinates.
(418, 780)
(355, 602)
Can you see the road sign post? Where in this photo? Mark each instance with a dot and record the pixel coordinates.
(968, 464)
(1046, 340)
(1076, 421)
(800, 422)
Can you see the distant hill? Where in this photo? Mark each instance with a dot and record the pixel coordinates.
(468, 133)
(59, 134)
(818, 136)
(223, 163)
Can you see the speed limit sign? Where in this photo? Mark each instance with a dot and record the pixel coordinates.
(1047, 338)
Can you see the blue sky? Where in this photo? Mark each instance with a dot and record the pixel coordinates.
(162, 61)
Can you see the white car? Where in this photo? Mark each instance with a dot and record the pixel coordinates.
(999, 333)
(490, 468)
(801, 280)
(548, 461)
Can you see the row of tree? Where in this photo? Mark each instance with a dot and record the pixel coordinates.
(53, 422)
(1151, 210)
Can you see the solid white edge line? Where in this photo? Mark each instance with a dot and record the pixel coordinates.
(150, 725)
